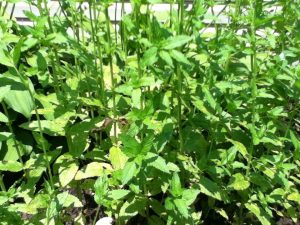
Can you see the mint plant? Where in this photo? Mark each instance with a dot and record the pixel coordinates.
(187, 115)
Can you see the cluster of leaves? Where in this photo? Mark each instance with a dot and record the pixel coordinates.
(166, 117)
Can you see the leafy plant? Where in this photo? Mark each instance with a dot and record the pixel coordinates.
(188, 115)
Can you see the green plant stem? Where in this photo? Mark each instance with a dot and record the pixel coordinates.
(100, 57)
(39, 126)
(96, 216)
(111, 73)
(179, 79)
(2, 186)
(253, 79)
(11, 131)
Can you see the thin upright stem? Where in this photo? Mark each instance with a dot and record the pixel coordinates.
(253, 78)
(179, 79)
(111, 73)
(39, 126)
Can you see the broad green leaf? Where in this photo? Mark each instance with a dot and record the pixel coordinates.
(6, 59)
(176, 189)
(136, 98)
(67, 169)
(3, 91)
(239, 182)
(295, 196)
(209, 98)
(101, 189)
(129, 172)
(240, 147)
(223, 213)
(131, 147)
(118, 194)
(11, 166)
(77, 136)
(3, 118)
(5, 136)
(147, 144)
(150, 57)
(157, 162)
(182, 207)
(117, 158)
(211, 189)
(179, 57)
(93, 169)
(190, 195)
(17, 51)
(65, 199)
(18, 96)
(261, 214)
(164, 55)
(176, 41)
(53, 128)
(199, 104)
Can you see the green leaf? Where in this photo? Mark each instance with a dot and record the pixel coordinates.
(65, 199)
(17, 51)
(18, 97)
(190, 195)
(179, 57)
(176, 41)
(5, 136)
(93, 169)
(101, 189)
(131, 147)
(6, 59)
(182, 207)
(147, 144)
(240, 147)
(67, 169)
(239, 182)
(211, 189)
(150, 57)
(11, 166)
(118, 194)
(295, 196)
(117, 158)
(129, 172)
(176, 189)
(209, 98)
(3, 118)
(164, 55)
(157, 162)
(261, 214)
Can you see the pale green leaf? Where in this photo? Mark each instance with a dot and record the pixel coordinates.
(129, 172)
(239, 182)
(211, 189)
(93, 169)
(117, 158)
(261, 214)
(12, 166)
(176, 41)
(179, 57)
(182, 207)
(118, 194)
(164, 55)
(3, 118)
(240, 147)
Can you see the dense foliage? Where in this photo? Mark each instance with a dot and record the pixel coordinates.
(172, 117)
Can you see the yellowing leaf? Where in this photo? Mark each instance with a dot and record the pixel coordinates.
(295, 196)
(239, 182)
(94, 169)
(117, 158)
